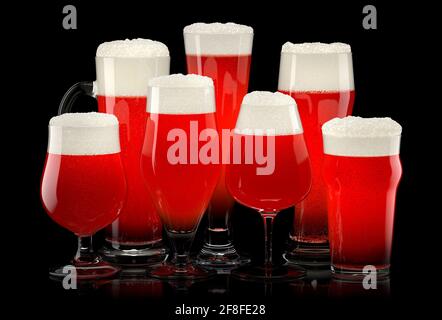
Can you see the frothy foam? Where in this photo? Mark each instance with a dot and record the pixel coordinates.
(268, 113)
(132, 48)
(316, 48)
(124, 67)
(218, 39)
(181, 94)
(316, 67)
(361, 137)
(83, 134)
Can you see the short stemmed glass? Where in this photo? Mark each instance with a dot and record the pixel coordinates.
(270, 170)
(83, 186)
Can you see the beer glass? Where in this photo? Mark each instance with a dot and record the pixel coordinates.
(221, 51)
(124, 68)
(270, 123)
(362, 170)
(83, 186)
(181, 125)
(319, 77)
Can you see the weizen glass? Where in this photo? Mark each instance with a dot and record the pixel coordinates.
(123, 71)
(221, 51)
(180, 163)
(270, 170)
(83, 186)
(319, 77)
(362, 170)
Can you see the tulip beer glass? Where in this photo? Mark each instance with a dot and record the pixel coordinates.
(268, 124)
(83, 186)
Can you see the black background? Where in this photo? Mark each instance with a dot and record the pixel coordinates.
(383, 69)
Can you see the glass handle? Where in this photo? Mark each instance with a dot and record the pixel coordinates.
(84, 88)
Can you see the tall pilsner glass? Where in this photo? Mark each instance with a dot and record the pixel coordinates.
(319, 77)
(124, 68)
(221, 51)
(180, 162)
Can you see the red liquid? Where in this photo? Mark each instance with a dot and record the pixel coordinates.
(83, 193)
(361, 200)
(288, 184)
(230, 76)
(316, 108)
(182, 191)
(138, 223)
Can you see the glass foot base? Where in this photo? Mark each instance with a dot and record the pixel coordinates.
(273, 274)
(133, 256)
(316, 256)
(85, 271)
(220, 257)
(357, 274)
(169, 271)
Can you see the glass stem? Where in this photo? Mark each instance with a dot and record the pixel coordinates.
(218, 231)
(181, 243)
(268, 229)
(85, 252)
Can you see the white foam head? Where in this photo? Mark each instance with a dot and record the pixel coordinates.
(361, 137)
(84, 134)
(181, 94)
(132, 48)
(318, 67)
(268, 113)
(218, 39)
(124, 67)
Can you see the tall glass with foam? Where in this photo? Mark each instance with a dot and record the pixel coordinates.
(83, 186)
(123, 69)
(221, 51)
(179, 162)
(362, 170)
(319, 77)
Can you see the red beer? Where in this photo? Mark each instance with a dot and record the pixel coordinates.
(138, 222)
(123, 71)
(83, 193)
(223, 53)
(182, 190)
(276, 191)
(316, 108)
(362, 170)
(320, 78)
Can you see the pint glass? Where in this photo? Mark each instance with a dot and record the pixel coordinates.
(362, 170)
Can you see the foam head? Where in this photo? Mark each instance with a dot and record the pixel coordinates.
(361, 137)
(83, 134)
(181, 94)
(268, 113)
(218, 39)
(132, 48)
(316, 67)
(124, 67)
